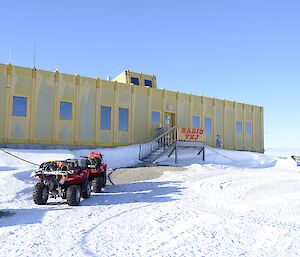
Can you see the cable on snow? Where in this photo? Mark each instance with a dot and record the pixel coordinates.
(17, 157)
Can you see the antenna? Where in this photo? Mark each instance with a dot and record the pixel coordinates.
(34, 49)
(9, 56)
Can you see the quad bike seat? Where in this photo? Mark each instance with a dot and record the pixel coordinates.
(95, 163)
(95, 160)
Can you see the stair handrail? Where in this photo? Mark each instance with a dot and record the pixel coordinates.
(147, 147)
(154, 135)
(165, 147)
(165, 133)
(150, 139)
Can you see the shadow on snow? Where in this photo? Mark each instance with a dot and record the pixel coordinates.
(139, 192)
(6, 168)
(12, 217)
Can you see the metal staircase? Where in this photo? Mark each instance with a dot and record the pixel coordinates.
(156, 145)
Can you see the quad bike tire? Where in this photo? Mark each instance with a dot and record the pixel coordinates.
(87, 189)
(99, 183)
(73, 195)
(40, 193)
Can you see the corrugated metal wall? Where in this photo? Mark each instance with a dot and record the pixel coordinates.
(46, 90)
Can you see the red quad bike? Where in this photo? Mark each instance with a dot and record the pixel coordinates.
(70, 179)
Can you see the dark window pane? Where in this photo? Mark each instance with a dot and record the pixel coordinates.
(105, 117)
(155, 116)
(248, 128)
(123, 119)
(135, 81)
(196, 122)
(208, 127)
(19, 106)
(65, 111)
(239, 127)
(148, 83)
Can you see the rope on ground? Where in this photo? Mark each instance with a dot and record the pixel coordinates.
(17, 157)
(209, 148)
(109, 178)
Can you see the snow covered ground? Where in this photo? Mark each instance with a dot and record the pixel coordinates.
(282, 152)
(233, 204)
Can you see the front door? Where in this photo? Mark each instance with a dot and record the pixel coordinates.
(169, 120)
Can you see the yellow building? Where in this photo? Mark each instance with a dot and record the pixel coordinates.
(52, 108)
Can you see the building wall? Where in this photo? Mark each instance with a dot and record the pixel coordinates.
(45, 103)
(45, 90)
(3, 91)
(141, 112)
(122, 78)
(125, 77)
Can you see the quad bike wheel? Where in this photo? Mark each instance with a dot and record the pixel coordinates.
(40, 193)
(99, 183)
(87, 189)
(73, 195)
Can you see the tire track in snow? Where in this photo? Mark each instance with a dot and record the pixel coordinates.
(83, 240)
(212, 190)
(212, 217)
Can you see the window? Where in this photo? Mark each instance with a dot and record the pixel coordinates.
(135, 81)
(196, 122)
(148, 83)
(155, 116)
(208, 127)
(65, 111)
(123, 119)
(105, 117)
(248, 128)
(19, 106)
(239, 127)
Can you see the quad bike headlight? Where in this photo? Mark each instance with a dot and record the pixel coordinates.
(71, 172)
(33, 173)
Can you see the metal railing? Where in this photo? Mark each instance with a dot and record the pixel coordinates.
(157, 133)
(162, 141)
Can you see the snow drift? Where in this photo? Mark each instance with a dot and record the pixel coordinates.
(233, 204)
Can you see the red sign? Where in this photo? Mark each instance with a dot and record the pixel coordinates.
(191, 134)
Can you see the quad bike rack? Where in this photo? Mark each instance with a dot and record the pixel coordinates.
(70, 179)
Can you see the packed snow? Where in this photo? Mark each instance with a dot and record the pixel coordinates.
(232, 204)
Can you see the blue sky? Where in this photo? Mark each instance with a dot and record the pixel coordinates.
(247, 51)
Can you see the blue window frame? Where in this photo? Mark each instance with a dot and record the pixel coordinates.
(155, 116)
(239, 127)
(208, 127)
(196, 122)
(135, 81)
(123, 119)
(19, 106)
(65, 111)
(248, 128)
(105, 118)
(148, 83)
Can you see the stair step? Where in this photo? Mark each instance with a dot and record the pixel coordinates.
(159, 145)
